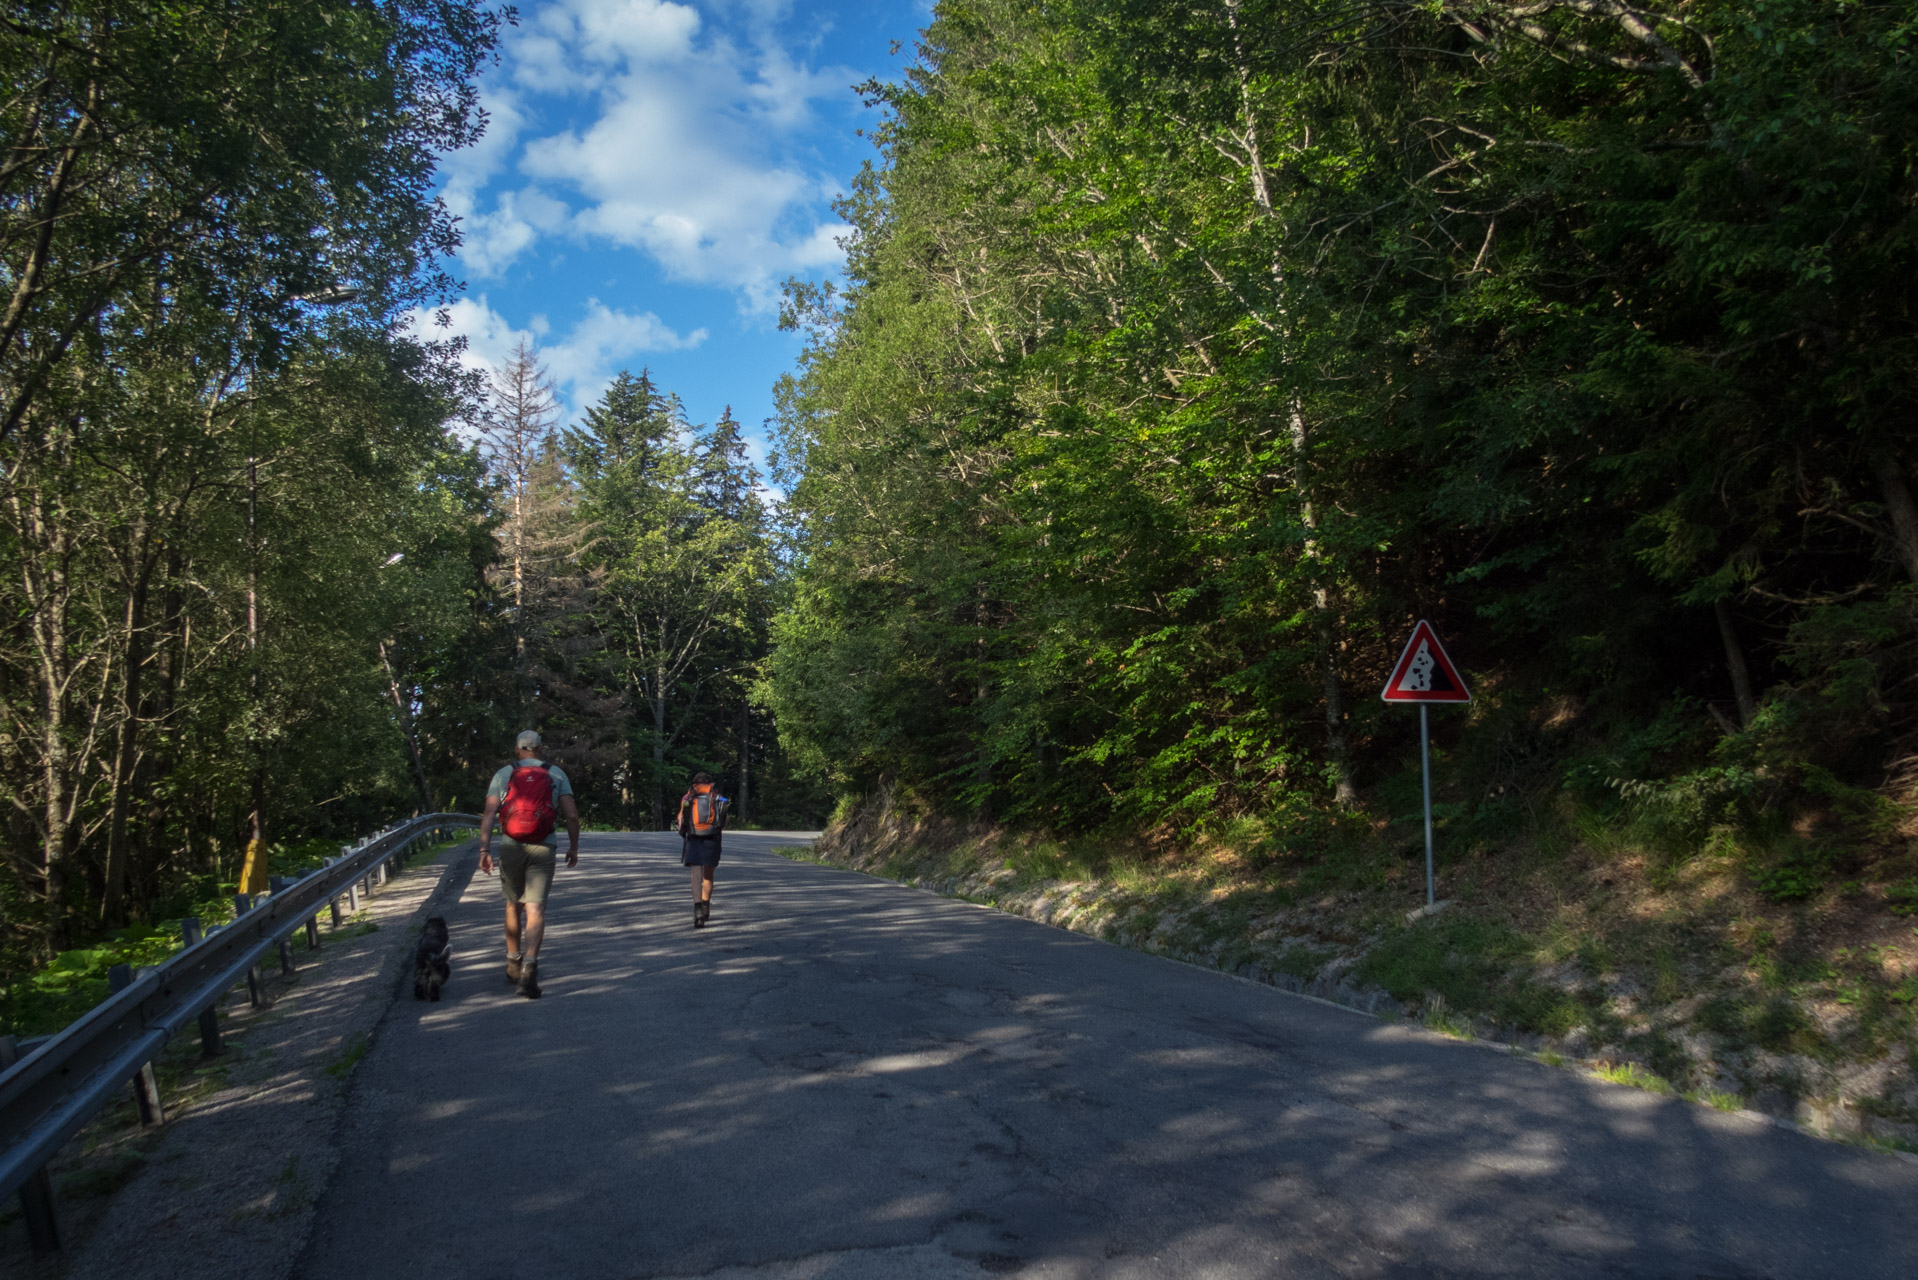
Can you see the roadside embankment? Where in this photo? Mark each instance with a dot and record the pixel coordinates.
(1583, 951)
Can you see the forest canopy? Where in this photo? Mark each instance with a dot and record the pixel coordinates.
(277, 567)
(1188, 353)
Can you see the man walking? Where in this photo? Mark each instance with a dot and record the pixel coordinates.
(527, 796)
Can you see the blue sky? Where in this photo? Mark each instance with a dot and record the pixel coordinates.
(652, 171)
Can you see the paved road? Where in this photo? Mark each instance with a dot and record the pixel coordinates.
(844, 1078)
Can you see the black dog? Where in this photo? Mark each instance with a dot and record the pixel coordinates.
(433, 962)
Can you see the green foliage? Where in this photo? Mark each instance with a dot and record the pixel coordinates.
(1187, 353)
(239, 542)
(1794, 878)
(48, 999)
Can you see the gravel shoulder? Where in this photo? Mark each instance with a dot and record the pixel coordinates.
(227, 1187)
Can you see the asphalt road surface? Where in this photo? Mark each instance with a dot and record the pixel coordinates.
(845, 1078)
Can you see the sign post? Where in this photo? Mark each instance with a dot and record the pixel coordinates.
(1425, 674)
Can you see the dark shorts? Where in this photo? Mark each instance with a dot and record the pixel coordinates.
(699, 851)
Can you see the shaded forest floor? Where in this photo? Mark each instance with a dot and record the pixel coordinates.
(1569, 941)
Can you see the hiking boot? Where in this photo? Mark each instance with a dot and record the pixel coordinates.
(512, 969)
(529, 980)
(700, 912)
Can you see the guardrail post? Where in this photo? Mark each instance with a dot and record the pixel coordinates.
(353, 897)
(312, 933)
(146, 1089)
(210, 1016)
(277, 884)
(333, 904)
(255, 981)
(36, 1193)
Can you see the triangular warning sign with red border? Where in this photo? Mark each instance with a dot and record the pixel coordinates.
(1425, 672)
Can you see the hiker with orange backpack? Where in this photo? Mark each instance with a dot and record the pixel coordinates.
(527, 796)
(702, 815)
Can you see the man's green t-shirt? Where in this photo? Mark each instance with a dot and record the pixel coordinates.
(504, 778)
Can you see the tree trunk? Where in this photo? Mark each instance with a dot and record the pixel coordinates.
(257, 821)
(659, 746)
(126, 750)
(169, 654)
(53, 766)
(980, 693)
(1901, 509)
(45, 542)
(52, 642)
(745, 760)
(1735, 664)
(519, 572)
(409, 730)
(1325, 626)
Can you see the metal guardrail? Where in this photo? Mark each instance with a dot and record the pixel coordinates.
(64, 1080)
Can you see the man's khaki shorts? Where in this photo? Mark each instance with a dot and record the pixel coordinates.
(525, 870)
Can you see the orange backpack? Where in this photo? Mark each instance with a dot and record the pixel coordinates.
(708, 808)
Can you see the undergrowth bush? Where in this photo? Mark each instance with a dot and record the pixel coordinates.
(47, 999)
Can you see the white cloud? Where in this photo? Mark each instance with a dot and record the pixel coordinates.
(600, 343)
(517, 220)
(686, 156)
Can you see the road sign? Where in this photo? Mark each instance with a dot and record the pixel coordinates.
(1425, 672)
(1425, 675)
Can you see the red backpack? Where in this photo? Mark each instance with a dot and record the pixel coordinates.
(527, 813)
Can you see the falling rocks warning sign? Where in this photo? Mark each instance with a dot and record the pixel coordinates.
(1425, 672)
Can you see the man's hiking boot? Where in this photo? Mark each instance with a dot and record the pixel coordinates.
(529, 980)
(512, 969)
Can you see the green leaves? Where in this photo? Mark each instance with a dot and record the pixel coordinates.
(1188, 352)
(273, 161)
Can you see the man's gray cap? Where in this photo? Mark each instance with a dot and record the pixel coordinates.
(528, 740)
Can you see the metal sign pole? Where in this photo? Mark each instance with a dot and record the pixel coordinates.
(1425, 771)
(1425, 675)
